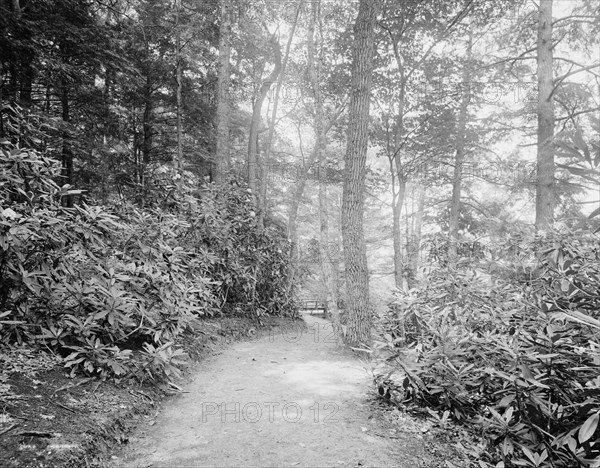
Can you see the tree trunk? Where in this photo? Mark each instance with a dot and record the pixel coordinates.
(355, 256)
(545, 196)
(295, 202)
(397, 202)
(325, 254)
(25, 72)
(2, 99)
(253, 159)
(13, 82)
(397, 171)
(148, 130)
(27, 76)
(178, 76)
(413, 247)
(459, 156)
(26, 60)
(67, 150)
(293, 216)
(223, 154)
(108, 77)
(273, 120)
(295, 206)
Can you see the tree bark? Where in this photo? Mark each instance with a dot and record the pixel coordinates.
(253, 159)
(108, 78)
(223, 152)
(178, 77)
(67, 150)
(295, 202)
(397, 171)
(459, 157)
(413, 247)
(545, 196)
(148, 134)
(357, 275)
(397, 202)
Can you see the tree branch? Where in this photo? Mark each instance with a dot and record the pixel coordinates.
(561, 78)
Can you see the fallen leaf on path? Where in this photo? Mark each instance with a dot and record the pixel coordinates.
(364, 429)
(301, 444)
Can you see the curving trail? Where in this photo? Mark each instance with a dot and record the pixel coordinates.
(286, 399)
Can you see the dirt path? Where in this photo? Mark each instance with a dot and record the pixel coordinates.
(289, 398)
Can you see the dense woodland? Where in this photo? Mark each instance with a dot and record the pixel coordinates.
(429, 169)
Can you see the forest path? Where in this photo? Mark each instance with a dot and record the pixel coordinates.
(290, 398)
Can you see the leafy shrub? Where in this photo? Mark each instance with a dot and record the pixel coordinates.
(248, 264)
(162, 361)
(93, 284)
(520, 363)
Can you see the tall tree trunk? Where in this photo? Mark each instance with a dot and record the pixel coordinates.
(27, 76)
(178, 77)
(13, 83)
(413, 247)
(273, 119)
(26, 59)
(397, 202)
(295, 202)
(545, 196)
(108, 77)
(253, 159)
(148, 134)
(223, 155)
(1, 98)
(325, 254)
(293, 216)
(67, 150)
(355, 255)
(459, 156)
(397, 171)
(25, 71)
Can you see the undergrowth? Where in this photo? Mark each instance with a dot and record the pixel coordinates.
(110, 289)
(518, 362)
